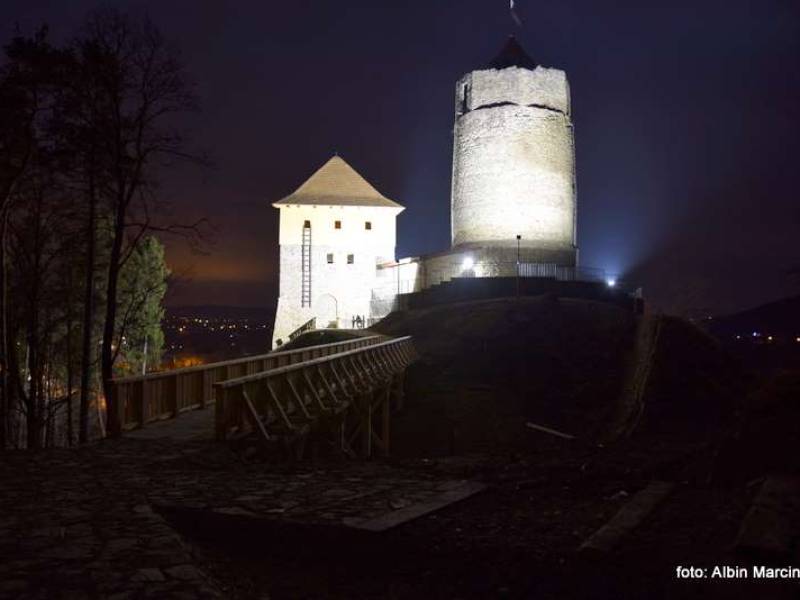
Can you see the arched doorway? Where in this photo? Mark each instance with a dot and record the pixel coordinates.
(327, 309)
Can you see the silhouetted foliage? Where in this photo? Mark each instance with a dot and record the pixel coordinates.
(85, 130)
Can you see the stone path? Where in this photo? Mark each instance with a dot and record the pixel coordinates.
(86, 523)
(357, 495)
(77, 524)
(188, 426)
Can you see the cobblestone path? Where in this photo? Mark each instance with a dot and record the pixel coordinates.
(86, 523)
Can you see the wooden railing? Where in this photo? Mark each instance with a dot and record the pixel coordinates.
(317, 395)
(309, 325)
(142, 399)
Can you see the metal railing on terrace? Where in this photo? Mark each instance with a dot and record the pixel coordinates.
(162, 395)
(428, 277)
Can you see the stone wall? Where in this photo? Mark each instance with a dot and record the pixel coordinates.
(541, 86)
(393, 280)
(513, 160)
(352, 233)
(339, 290)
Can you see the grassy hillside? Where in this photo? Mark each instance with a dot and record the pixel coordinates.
(487, 367)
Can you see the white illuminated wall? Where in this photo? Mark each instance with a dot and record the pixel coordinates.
(513, 174)
(339, 290)
(514, 162)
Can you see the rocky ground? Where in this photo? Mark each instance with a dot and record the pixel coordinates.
(78, 524)
(154, 518)
(155, 515)
(100, 521)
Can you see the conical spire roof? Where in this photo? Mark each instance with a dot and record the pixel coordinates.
(337, 183)
(512, 55)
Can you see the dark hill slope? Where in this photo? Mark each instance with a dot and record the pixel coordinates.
(487, 367)
(694, 384)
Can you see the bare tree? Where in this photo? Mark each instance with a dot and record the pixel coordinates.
(141, 87)
(27, 82)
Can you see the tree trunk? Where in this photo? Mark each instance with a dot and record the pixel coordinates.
(5, 401)
(107, 358)
(70, 370)
(35, 400)
(34, 420)
(88, 318)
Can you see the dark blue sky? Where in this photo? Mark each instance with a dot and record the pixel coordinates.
(687, 120)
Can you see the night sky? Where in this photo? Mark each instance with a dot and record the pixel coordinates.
(687, 121)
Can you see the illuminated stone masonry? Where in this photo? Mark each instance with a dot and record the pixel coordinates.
(334, 230)
(513, 158)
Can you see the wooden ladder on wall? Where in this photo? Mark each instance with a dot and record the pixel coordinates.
(305, 292)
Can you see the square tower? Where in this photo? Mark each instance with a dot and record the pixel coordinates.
(334, 230)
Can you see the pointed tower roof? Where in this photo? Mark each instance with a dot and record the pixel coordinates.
(337, 183)
(512, 55)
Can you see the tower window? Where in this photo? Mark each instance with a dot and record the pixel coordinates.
(368, 225)
(307, 224)
(337, 224)
(350, 259)
(330, 258)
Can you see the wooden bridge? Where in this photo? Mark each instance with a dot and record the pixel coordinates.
(339, 394)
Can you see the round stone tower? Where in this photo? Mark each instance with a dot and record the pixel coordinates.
(514, 161)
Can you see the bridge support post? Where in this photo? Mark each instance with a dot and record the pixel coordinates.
(398, 391)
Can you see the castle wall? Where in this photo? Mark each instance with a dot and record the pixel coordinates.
(419, 273)
(380, 239)
(393, 279)
(513, 174)
(541, 86)
(339, 290)
(513, 161)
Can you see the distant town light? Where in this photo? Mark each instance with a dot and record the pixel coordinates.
(797, 339)
(468, 263)
(611, 282)
(769, 338)
(755, 334)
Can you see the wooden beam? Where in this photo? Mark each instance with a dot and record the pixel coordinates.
(770, 527)
(300, 400)
(456, 492)
(630, 516)
(554, 432)
(250, 411)
(279, 407)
